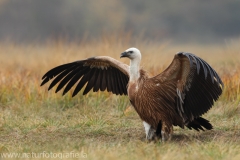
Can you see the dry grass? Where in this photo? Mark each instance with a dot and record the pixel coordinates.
(35, 120)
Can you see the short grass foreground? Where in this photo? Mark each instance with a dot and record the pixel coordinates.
(35, 123)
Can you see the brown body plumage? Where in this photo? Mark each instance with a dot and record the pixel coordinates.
(153, 100)
(178, 96)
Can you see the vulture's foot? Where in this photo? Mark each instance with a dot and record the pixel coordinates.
(166, 133)
(165, 136)
(151, 135)
(150, 132)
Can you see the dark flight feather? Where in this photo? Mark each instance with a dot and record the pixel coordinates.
(66, 79)
(82, 82)
(91, 82)
(103, 80)
(60, 76)
(74, 79)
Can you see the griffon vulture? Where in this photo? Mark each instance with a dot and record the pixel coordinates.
(178, 96)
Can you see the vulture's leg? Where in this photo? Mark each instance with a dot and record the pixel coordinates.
(150, 132)
(164, 136)
(171, 133)
(166, 132)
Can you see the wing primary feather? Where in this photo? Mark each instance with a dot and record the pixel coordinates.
(75, 79)
(196, 104)
(213, 88)
(60, 76)
(115, 82)
(52, 73)
(196, 62)
(121, 83)
(109, 77)
(46, 80)
(213, 72)
(210, 70)
(56, 70)
(204, 68)
(118, 82)
(91, 82)
(82, 82)
(96, 74)
(190, 100)
(106, 79)
(112, 80)
(66, 79)
(201, 107)
(98, 81)
(103, 84)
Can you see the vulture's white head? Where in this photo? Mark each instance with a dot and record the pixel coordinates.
(135, 57)
(132, 53)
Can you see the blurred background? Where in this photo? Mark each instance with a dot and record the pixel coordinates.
(185, 21)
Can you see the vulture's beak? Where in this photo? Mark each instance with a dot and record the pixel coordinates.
(124, 54)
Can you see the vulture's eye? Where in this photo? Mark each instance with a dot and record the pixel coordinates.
(130, 51)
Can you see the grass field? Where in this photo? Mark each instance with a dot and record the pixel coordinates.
(38, 123)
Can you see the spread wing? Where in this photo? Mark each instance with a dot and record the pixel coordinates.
(98, 73)
(197, 85)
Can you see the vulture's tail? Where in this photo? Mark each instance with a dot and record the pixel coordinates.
(199, 123)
